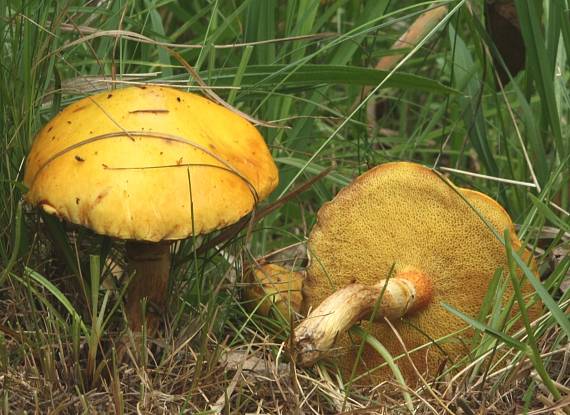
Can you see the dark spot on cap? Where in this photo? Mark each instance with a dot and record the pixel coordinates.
(53, 138)
(79, 108)
(109, 96)
(101, 195)
(69, 122)
(91, 132)
(178, 99)
(79, 158)
(50, 128)
(95, 153)
(179, 161)
(153, 111)
(213, 147)
(77, 200)
(104, 166)
(161, 153)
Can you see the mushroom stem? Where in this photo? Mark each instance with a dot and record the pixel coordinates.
(392, 298)
(151, 264)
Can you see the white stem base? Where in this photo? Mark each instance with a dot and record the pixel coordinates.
(391, 298)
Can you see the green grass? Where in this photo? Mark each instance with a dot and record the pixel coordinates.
(299, 66)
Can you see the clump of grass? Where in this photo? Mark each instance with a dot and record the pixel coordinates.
(302, 65)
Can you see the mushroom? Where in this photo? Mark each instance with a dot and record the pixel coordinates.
(148, 165)
(397, 243)
(273, 285)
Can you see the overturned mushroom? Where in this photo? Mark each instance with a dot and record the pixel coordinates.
(148, 165)
(397, 243)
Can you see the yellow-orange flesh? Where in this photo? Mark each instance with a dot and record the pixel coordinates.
(399, 216)
(273, 285)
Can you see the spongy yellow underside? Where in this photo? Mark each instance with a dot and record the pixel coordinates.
(401, 215)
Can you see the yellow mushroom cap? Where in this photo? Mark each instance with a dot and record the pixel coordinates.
(404, 215)
(149, 163)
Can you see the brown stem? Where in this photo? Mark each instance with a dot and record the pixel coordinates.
(151, 264)
(407, 292)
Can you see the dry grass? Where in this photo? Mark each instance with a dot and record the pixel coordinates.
(194, 368)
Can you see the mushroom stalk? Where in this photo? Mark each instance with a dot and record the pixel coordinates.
(391, 298)
(151, 264)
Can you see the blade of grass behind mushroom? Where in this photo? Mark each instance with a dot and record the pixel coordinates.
(259, 214)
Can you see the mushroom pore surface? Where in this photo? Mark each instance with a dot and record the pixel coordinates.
(401, 215)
